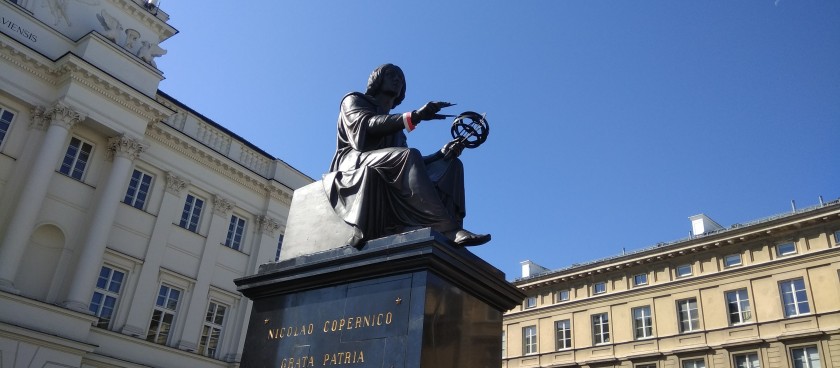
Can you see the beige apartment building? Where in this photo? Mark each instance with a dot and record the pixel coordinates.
(759, 294)
(125, 215)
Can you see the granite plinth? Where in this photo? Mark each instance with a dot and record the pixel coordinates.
(313, 225)
(408, 300)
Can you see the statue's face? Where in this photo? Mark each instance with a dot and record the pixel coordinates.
(392, 83)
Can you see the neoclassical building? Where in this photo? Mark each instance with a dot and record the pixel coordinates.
(763, 294)
(125, 216)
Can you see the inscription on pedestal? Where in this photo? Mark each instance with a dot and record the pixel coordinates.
(358, 324)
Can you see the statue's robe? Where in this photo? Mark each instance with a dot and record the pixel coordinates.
(380, 186)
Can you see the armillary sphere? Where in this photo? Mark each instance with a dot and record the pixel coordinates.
(471, 128)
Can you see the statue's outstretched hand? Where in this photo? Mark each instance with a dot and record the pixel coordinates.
(452, 149)
(429, 111)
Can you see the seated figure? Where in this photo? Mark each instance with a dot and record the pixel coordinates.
(380, 186)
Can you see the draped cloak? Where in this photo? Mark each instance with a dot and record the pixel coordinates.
(380, 186)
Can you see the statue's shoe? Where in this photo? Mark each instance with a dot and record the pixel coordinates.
(466, 238)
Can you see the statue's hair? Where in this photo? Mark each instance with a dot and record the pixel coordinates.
(375, 82)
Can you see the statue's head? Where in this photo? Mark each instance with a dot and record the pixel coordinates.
(385, 74)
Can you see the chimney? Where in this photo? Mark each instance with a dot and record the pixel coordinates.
(701, 224)
(531, 269)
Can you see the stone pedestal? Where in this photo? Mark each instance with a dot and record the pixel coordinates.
(408, 300)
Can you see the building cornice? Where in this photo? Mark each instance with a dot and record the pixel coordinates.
(694, 282)
(159, 26)
(733, 236)
(71, 68)
(223, 165)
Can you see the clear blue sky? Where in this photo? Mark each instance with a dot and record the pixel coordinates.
(612, 122)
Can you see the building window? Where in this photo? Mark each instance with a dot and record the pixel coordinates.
(599, 288)
(564, 334)
(640, 279)
(642, 322)
(163, 315)
(235, 231)
(562, 296)
(794, 298)
(529, 340)
(6, 117)
(192, 213)
(212, 330)
(76, 158)
(694, 363)
(738, 305)
(837, 237)
(504, 344)
(138, 189)
(279, 247)
(600, 329)
(785, 249)
(105, 295)
(684, 270)
(530, 302)
(688, 315)
(748, 360)
(805, 357)
(732, 260)
(646, 365)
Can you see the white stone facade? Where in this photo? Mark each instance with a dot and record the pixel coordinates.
(125, 216)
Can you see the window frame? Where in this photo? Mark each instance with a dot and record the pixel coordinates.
(744, 313)
(636, 281)
(693, 360)
(190, 214)
(796, 302)
(205, 338)
(164, 310)
(563, 334)
(837, 238)
(646, 322)
(595, 288)
(600, 329)
(779, 246)
(530, 302)
(804, 348)
(236, 228)
(559, 296)
(687, 265)
(693, 323)
(726, 263)
(132, 199)
(529, 340)
(4, 132)
(746, 354)
(73, 165)
(106, 293)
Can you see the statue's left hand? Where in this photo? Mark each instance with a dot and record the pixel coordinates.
(452, 149)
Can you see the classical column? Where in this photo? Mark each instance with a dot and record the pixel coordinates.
(124, 150)
(222, 208)
(61, 119)
(268, 229)
(140, 309)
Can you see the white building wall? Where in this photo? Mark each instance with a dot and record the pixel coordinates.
(65, 76)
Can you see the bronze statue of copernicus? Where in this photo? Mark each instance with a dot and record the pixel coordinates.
(379, 185)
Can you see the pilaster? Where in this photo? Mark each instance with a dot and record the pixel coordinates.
(171, 203)
(222, 208)
(124, 150)
(62, 119)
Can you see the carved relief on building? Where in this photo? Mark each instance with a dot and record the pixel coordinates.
(222, 206)
(175, 184)
(267, 225)
(39, 118)
(63, 115)
(124, 146)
